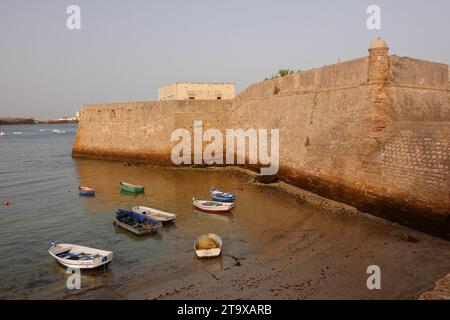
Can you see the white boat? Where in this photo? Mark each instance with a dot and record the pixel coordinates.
(59, 131)
(158, 215)
(17, 132)
(208, 245)
(42, 130)
(213, 206)
(79, 257)
(2, 134)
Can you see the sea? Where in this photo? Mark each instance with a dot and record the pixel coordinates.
(40, 180)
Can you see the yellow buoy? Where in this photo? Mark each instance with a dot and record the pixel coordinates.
(206, 244)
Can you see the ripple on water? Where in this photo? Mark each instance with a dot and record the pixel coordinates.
(41, 179)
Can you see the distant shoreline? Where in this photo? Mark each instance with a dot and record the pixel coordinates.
(56, 121)
(19, 121)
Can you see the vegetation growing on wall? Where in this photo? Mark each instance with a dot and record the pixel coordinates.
(397, 66)
(281, 73)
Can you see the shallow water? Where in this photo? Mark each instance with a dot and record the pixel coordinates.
(40, 179)
(270, 238)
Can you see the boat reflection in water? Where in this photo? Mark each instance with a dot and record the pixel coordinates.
(215, 216)
(211, 265)
(90, 278)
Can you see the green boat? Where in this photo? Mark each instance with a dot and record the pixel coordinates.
(128, 187)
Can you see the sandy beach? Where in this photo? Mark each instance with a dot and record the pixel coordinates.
(322, 257)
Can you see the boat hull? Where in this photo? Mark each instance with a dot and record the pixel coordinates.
(218, 195)
(137, 232)
(212, 210)
(212, 206)
(131, 189)
(102, 259)
(141, 224)
(87, 193)
(222, 199)
(208, 253)
(161, 216)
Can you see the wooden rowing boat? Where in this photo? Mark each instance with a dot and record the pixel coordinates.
(79, 257)
(86, 191)
(208, 245)
(219, 195)
(129, 187)
(135, 222)
(164, 217)
(212, 206)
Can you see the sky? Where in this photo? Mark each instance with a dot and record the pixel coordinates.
(126, 50)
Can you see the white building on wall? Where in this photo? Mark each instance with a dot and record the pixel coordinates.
(197, 91)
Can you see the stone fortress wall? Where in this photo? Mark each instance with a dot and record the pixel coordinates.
(372, 132)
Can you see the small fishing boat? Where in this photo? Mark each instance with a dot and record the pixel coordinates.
(208, 245)
(137, 223)
(59, 131)
(219, 195)
(17, 132)
(212, 206)
(86, 191)
(2, 134)
(129, 187)
(79, 257)
(43, 130)
(163, 217)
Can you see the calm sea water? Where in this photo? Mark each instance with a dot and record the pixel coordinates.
(40, 179)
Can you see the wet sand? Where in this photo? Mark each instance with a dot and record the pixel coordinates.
(323, 255)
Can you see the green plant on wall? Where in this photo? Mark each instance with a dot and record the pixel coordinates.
(281, 73)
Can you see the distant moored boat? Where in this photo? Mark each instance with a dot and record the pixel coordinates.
(219, 195)
(2, 134)
(17, 132)
(86, 191)
(129, 187)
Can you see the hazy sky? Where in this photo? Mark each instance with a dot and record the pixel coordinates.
(126, 50)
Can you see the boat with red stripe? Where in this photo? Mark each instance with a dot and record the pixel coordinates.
(213, 206)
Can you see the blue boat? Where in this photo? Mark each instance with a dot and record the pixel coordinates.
(135, 222)
(86, 191)
(219, 195)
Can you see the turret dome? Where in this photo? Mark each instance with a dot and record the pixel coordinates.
(379, 43)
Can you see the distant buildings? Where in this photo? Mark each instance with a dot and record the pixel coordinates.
(74, 119)
(197, 91)
(68, 119)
